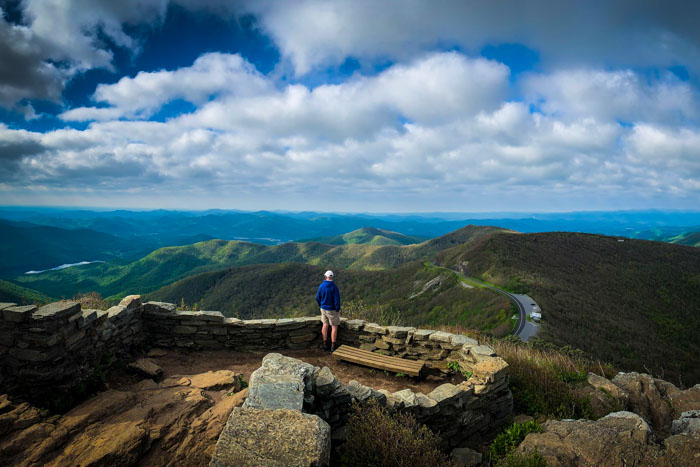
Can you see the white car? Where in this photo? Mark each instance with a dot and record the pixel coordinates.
(536, 317)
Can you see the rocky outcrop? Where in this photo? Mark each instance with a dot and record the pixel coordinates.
(661, 426)
(174, 422)
(620, 438)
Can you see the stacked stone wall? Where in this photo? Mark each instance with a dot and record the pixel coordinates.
(59, 345)
(56, 347)
(167, 327)
(462, 413)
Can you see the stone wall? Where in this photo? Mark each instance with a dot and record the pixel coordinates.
(54, 348)
(59, 345)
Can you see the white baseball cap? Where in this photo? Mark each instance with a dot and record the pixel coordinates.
(329, 273)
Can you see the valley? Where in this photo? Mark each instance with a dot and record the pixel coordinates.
(632, 303)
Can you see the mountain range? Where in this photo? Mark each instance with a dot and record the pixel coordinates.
(630, 302)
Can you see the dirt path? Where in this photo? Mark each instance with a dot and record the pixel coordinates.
(178, 362)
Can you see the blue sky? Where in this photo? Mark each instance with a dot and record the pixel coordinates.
(350, 105)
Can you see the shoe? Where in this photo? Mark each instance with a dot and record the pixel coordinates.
(334, 347)
(326, 347)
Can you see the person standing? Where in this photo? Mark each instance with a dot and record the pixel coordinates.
(328, 299)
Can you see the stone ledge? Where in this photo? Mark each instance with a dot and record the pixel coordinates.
(56, 310)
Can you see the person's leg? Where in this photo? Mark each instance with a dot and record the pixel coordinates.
(324, 331)
(335, 322)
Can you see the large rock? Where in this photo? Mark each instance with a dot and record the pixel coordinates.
(273, 438)
(217, 380)
(650, 398)
(280, 381)
(278, 364)
(147, 367)
(687, 423)
(685, 401)
(603, 395)
(276, 392)
(621, 438)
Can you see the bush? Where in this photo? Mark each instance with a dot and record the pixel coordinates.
(378, 437)
(510, 438)
(534, 459)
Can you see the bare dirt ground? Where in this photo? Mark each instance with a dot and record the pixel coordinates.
(179, 362)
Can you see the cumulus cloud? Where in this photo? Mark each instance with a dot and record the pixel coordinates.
(433, 128)
(211, 75)
(613, 95)
(58, 39)
(436, 88)
(315, 32)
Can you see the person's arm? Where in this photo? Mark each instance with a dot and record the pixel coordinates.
(318, 297)
(337, 298)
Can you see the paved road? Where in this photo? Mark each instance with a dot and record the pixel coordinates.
(529, 328)
(524, 329)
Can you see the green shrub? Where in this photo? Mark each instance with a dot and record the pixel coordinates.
(510, 438)
(379, 437)
(534, 459)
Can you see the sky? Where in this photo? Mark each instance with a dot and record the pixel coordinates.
(351, 105)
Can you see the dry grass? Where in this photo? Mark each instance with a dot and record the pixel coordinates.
(543, 378)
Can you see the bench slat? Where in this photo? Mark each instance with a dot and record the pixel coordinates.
(382, 362)
(371, 356)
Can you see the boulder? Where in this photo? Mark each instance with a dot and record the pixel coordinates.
(684, 448)
(276, 392)
(621, 438)
(216, 380)
(650, 398)
(685, 401)
(273, 437)
(465, 457)
(146, 367)
(688, 423)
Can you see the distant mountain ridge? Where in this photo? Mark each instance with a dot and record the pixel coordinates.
(165, 228)
(169, 264)
(369, 236)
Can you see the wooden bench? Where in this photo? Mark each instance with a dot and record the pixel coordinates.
(375, 360)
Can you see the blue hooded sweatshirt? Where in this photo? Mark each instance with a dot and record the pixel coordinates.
(328, 296)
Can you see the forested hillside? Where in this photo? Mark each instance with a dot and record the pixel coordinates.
(635, 303)
(13, 293)
(412, 294)
(369, 236)
(167, 265)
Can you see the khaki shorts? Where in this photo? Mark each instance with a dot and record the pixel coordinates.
(331, 317)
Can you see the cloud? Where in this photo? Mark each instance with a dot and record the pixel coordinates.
(613, 95)
(211, 75)
(59, 39)
(24, 72)
(433, 89)
(312, 33)
(438, 129)
(16, 145)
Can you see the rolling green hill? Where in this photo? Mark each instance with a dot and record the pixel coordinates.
(369, 236)
(687, 238)
(167, 265)
(25, 247)
(13, 293)
(634, 303)
(412, 293)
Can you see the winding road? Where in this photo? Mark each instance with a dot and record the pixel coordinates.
(525, 329)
